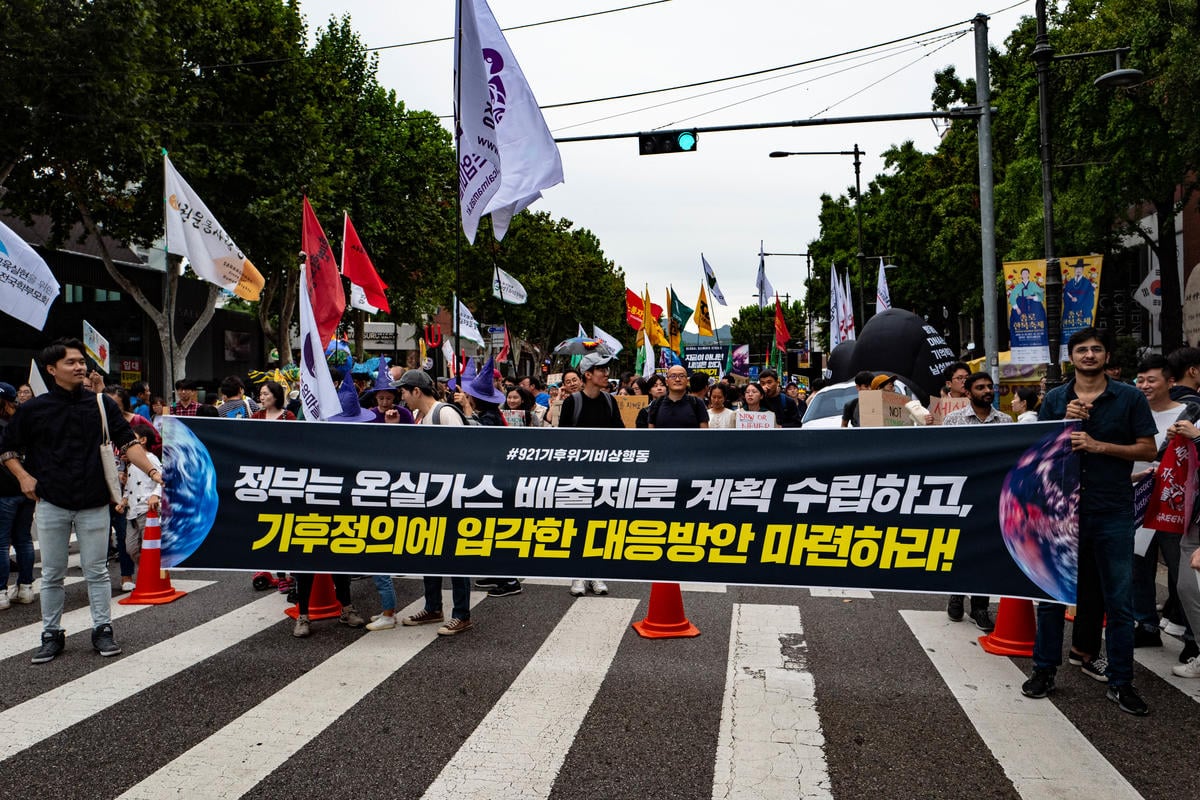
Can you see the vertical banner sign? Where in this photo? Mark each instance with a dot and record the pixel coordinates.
(1081, 292)
(96, 346)
(1025, 282)
(665, 505)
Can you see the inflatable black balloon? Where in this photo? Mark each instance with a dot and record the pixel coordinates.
(839, 362)
(900, 342)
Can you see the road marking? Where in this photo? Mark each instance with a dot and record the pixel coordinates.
(770, 745)
(1159, 660)
(257, 743)
(1041, 752)
(20, 640)
(58, 709)
(522, 742)
(861, 594)
(718, 588)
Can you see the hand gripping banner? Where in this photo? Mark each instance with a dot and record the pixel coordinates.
(987, 510)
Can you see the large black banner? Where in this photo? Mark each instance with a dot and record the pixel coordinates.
(975, 510)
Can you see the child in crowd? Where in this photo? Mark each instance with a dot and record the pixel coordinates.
(141, 495)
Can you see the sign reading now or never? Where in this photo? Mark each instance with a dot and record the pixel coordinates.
(755, 420)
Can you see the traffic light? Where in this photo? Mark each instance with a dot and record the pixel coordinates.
(667, 142)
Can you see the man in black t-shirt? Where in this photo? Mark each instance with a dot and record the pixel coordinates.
(596, 407)
(677, 408)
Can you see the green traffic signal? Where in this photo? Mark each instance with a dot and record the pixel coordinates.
(667, 142)
(686, 140)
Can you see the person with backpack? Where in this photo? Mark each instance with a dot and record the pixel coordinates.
(591, 407)
(678, 408)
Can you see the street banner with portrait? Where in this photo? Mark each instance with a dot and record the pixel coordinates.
(1025, 288)
(1081, 293)
(640, 505)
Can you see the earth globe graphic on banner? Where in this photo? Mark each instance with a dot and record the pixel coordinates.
(189, 504)
(1039, 514)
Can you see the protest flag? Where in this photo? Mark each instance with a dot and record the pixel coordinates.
(326, 298)
(765, 290)
(194, 233)
(317, 392)
(883, 298)
(781, 330)
(609, 340)
(650, 321)
(27, 286)
(702, 316)
(710, 277)
(506, 154)
(847, 306)
(680, 314)
(507, 288)
(366, 287)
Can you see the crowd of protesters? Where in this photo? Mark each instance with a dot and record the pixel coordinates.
(1126, 428)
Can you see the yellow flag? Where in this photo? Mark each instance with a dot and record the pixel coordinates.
(657, 337)
(702, 317)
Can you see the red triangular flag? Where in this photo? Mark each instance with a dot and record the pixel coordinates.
(503, 356)
(357, 267)
(325, 291)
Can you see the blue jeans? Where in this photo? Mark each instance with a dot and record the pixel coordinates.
(16, 529)
(1111, 538)
(460, 593)
(54, 535)
(387, 592)
(1145, 586)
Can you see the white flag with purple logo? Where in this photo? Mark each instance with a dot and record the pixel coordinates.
(27, 286)
(836, 327)
(317, 392)
(883, 298)
(847, 308)
(506, 154)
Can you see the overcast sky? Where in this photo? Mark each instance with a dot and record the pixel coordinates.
(654, 215)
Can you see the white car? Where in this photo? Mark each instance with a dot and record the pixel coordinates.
(825, 407)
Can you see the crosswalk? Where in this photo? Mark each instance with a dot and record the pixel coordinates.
(786, 694)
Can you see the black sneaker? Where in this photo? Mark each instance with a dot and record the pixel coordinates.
(102, 640)
(1146, 638)
(1076, 659)
(505, 589)
(1040, 684)
(1129, 700)
(53, 643)
(1190, 651)
(488, 583)
(1096, 669)
(983, 620)
(954, 609)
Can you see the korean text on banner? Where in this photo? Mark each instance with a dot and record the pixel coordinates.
(676, 506)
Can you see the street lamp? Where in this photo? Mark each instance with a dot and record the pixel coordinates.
(1043, 55)
(862, 310)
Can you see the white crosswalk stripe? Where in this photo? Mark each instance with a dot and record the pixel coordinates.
(523, 741)
(56, 710)
(1160, 660)
(770, 746)
(857, 594)
(1043, 754)
(251, 746)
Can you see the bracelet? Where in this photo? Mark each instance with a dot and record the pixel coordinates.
(153, 472)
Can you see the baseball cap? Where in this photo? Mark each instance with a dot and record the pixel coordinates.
(414, 379)
(7, 392)
(593, 360)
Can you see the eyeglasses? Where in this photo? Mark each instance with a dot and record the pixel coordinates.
(676, 377)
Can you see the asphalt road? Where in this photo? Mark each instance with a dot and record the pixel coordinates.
(783, 695)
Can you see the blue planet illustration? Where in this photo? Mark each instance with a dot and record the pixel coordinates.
(190, 493)
(1039, 515)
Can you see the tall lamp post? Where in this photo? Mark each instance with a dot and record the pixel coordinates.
(1043, 55)
(862, 309)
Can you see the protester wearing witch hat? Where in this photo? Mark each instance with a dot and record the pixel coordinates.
(383, 397)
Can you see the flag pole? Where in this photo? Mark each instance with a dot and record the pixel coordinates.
(168, 298)
(458, 234)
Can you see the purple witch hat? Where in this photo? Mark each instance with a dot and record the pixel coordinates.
(383, 383)
(482, 387)
(352, 411)
(468, 375)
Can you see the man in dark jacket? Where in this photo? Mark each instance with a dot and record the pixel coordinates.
(52, 447)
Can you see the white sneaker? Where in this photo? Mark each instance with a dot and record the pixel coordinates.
(598, 587)
(1189, 670)
(127, 586)
(22, 593)
(578, 588)
(4, 603)
(381, 623)
(1172, 628)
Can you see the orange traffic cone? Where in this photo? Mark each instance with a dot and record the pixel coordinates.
(1016, 627)
(665, 618)
(323, 604)
(153, 585)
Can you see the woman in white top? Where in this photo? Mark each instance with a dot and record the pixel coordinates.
(718, 415)
(1025, 403)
